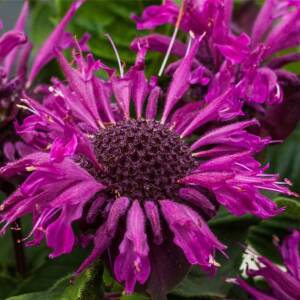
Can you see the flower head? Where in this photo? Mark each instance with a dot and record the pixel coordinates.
(109, 158)
(283, 284)
(15, 50)
(228, 55)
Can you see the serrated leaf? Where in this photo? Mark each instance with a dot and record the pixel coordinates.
(81, 289)
(47, 273)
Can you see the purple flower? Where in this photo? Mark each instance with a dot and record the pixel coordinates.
(14, 46)
(283, 284)
(136, 171)
(229, 56)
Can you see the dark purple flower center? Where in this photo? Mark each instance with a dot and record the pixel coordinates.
(142, 159)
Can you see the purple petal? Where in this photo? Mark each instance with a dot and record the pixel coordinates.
(20, 25)
(64, 146)
(283, 284)
(139, 90)
(95, 209)
(290, 253)
(24, 149)
(47, 50)
(118, 209)
(191, 234)
(24, 55)
(103, 92)
(9, 41)
(60, 235)
(122, 91)
(132, 264)
(224, 162)
(154, 219)
(252, 291)
(106, 232)
(224, 107)
(78, 193)
(20, 165)
(198, 199)
(286, 33)
(151, 109)
(183, 115)
(263, 87)
(180, 81)
(168, 267)
(263, 20)
(156, 15)
(200, 76)
(223, 134)
(81, 84)
(160, 43)
(281, 61)
(236, 49)
(9, 151)
(237, 185)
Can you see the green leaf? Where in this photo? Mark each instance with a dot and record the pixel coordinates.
(7, 284)
(134, 297)
(48, 272)
(86, 287)
(113, 17)
(232, 231)
(2, 196)
(285, 159)
(39, 15)
(292, 206)
(261, 236)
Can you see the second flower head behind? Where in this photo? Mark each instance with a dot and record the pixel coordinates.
(245, 43)
(16, 76)
(135, 169)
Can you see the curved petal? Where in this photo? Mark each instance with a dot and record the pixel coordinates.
(192, 234)
(132, 264)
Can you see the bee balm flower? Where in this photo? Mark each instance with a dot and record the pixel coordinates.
(228, 54)
(130, 174)
(15, 50)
